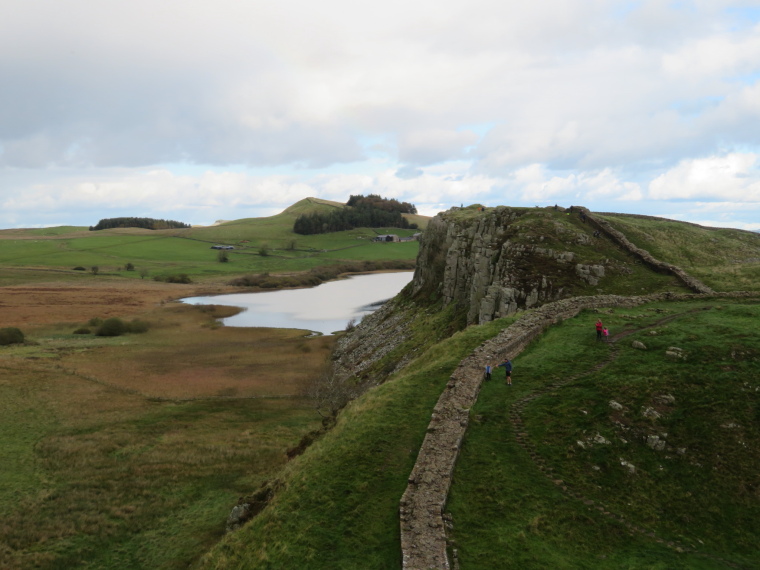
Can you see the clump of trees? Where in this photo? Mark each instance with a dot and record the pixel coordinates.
(147, 223)
(11, 335)
(371, 211)
(379, 203)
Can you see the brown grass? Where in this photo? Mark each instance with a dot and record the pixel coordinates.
(106, 457)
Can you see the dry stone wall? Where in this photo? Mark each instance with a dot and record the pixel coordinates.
(604, 226)
(421, 509)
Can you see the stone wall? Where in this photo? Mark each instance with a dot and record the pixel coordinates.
(618, 237)
(421, 509)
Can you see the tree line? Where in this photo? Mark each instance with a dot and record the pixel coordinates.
(363, 212)
(147, 223)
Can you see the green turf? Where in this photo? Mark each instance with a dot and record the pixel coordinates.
(700, 490)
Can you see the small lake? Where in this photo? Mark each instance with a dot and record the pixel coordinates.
(326, 308)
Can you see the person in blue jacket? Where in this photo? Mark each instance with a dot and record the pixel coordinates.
(507, 364)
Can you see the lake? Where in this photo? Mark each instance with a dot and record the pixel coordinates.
(326, 308)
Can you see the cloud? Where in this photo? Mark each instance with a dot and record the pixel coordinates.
(537, 184)
(584, 101)
(732, 177)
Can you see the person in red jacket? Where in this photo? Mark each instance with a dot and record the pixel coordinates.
(599, 327)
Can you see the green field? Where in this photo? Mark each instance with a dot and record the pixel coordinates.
(129, 452)
(261, 245)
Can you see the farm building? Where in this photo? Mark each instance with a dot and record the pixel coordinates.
(387, 237)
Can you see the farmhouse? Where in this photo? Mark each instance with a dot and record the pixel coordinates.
(387, 237)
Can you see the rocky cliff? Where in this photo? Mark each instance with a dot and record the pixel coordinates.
(495, 262)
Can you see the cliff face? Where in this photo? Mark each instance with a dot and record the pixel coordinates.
(500, 261)
(496, 262)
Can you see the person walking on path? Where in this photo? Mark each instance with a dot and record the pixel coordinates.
(599, 327)
(487, 374)
(606, 334)
(507, 364)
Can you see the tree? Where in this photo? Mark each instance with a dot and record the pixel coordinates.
(222, 256)
(129, 267)
(94, 269)
(143, 273)
(264, 249)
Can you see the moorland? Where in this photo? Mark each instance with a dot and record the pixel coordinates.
(129, 451)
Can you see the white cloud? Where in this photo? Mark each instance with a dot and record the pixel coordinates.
(586, 101)
(537, 184)
(732, 177)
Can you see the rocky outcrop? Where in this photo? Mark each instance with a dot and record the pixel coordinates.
(500, 261)
(493, 267)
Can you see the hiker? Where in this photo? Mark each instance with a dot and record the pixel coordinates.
(599, 327)
(606, 334)
(487, 374)
(508, 369)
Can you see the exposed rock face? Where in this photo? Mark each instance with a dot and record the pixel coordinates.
(491, 267)
(504, 260)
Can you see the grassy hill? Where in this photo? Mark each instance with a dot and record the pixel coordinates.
(337, 505)
(724, 259)
(164, 252)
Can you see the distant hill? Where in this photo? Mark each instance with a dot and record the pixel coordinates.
(187, 250)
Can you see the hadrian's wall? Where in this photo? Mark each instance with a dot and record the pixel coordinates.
(423, 531)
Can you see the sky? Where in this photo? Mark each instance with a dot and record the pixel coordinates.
(199, 111)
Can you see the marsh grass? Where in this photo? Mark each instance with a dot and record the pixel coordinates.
(95, 474)
(506, 512)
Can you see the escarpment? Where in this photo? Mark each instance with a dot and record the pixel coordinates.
(490, 263)
(496, 262)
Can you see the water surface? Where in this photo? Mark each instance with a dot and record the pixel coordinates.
(326, 308)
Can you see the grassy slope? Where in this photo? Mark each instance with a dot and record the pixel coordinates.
(338, 507)
(724, 259)
(507, 513)
(188, 250)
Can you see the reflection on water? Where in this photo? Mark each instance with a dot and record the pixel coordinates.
(326, 308)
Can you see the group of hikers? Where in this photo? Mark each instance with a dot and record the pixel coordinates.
(602, 333)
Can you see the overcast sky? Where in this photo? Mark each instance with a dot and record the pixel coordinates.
(200, 110)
